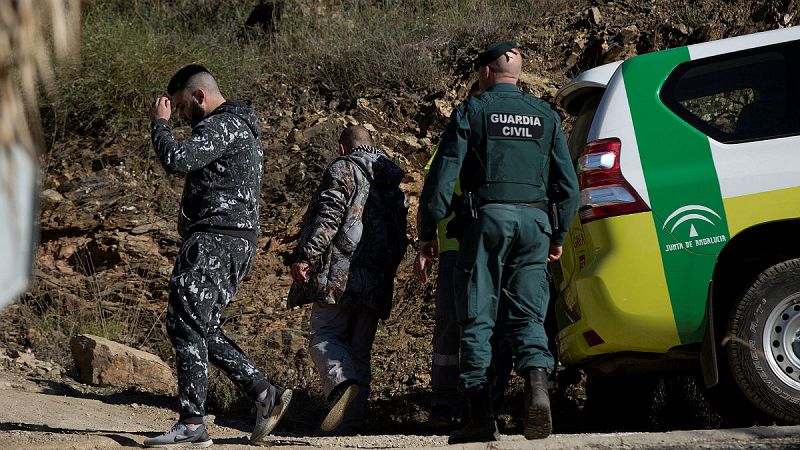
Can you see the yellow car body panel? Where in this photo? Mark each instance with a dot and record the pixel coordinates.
(606, 291)
(749, 210)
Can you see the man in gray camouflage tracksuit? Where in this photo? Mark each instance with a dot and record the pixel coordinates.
(352, 240)
(219, 224)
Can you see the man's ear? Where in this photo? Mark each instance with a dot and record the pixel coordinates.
(342, 149)
(200, 95)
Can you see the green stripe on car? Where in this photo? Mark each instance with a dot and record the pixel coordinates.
(683, 187)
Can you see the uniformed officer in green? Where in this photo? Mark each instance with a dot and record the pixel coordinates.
(511, 156)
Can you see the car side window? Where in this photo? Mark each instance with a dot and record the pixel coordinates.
(739, 97)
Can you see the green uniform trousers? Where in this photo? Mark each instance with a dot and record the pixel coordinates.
(502, 270)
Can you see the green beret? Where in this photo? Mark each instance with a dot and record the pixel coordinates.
(493, 52)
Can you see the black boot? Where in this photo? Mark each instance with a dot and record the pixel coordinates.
(479, 424)
(538, 422)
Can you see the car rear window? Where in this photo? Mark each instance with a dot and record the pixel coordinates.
(739, 97)
(583, 123)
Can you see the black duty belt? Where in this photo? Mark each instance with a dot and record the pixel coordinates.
(541, 204)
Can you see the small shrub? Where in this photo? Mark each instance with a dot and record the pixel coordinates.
(688, 15)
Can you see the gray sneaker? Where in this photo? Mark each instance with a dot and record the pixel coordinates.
(180, 436)
(270, 411)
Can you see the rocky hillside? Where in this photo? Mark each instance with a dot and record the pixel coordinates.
(108, 211)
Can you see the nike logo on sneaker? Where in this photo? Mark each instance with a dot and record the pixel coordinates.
(181, 438)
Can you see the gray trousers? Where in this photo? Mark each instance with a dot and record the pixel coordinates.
(341, 347)
(207, 273)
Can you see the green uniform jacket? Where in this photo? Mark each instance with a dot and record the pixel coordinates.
(508, 147)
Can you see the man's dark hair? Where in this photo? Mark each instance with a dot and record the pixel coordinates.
(182, 77)
(355, 136)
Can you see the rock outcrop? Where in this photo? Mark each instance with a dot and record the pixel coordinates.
(103, 362)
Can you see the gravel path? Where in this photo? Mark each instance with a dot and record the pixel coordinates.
(32, 417)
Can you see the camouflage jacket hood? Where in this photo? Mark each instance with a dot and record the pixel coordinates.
(354, 233)
(376, 166)
(222, 162)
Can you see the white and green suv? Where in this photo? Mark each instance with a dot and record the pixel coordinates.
(687, 251)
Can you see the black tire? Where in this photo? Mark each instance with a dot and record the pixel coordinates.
(764, 361)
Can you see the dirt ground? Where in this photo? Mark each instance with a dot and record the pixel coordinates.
(36, 413)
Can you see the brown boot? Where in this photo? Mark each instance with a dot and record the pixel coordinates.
(479, 424)
(340, 399)
(538, 422)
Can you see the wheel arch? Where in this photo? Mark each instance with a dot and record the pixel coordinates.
(743, 258)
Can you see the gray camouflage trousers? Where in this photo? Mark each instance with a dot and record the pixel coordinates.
(207, 272)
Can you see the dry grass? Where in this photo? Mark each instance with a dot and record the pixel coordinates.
(116, 307)
(342, 49)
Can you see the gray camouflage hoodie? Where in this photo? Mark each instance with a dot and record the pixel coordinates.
(222, 162)
(354, 233)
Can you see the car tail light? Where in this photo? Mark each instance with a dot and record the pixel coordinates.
(604, 191)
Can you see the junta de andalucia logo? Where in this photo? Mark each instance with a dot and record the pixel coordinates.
(684, 219)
